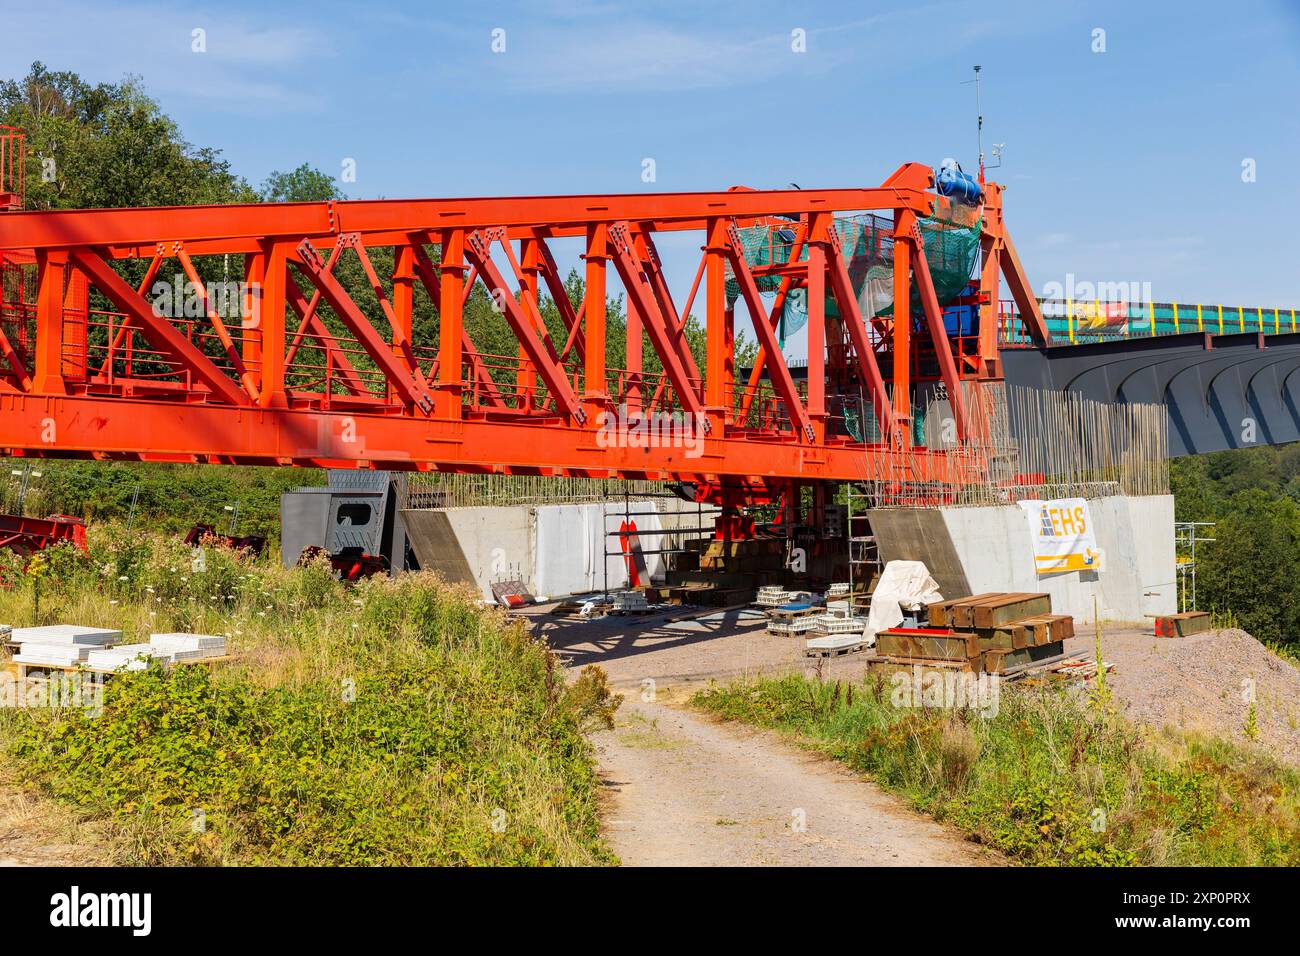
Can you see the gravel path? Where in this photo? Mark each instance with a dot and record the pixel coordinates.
(687, 791)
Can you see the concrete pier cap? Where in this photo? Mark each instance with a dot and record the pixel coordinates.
(970, 550)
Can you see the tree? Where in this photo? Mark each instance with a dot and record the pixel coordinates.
(108, 145)
(1253, 566)
(304, 184)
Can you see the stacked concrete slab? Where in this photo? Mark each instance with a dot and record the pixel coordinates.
(100, 649)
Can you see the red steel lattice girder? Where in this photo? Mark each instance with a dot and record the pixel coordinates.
(227, 399)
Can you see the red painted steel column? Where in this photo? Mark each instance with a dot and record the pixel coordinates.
(595, 396)
(632, 394)
(903, 218)
(273, 299)
(52, 267)
(990, 360)
(450, 324)
(251, 313)
(818, 226)
(817, 335)
(719, 364)
(76, 313)
(403, 303)
(526, 377)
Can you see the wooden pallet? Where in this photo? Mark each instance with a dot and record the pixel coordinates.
(792, 614)
(834, 651)
(574, 609)
(1079, 667)
(888, 666)
(24, 670)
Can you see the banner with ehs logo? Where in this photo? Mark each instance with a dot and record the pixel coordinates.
(1062, 535)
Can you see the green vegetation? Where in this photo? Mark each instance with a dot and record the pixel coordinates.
(166, 498)
(394, 722)
(1252, 568)
(1053, 777)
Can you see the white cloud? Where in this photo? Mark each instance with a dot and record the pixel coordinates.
(247, 68)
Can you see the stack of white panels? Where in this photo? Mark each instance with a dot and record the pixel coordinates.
(65, 634)
(630, 601)
(770, 595)
(126, 657)
(190, 647)
(833, 642)
(53, 655)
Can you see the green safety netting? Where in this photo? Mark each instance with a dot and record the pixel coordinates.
(855, 417)
(765, 246)
(951, 249)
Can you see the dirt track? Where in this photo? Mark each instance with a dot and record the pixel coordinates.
(684, 790)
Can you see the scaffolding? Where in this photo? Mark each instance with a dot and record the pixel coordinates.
(626, 538)
(864, 550)
(1187, 534)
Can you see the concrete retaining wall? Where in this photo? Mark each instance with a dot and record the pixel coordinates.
(555, 549)
(992, 552)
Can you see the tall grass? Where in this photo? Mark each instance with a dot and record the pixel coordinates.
(1055, 776)
(390, 722)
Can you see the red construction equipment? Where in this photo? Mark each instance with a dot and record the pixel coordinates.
(26, 536)
(350, 565)
(200, 533)
(135, 383)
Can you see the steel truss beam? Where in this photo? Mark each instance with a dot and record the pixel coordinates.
(253, 398)
(109, 429)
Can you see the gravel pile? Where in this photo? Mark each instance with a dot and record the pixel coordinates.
(1199, 683)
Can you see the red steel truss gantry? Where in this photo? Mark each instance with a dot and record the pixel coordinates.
(126, 381)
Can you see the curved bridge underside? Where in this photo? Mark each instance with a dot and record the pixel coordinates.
(1220, 391)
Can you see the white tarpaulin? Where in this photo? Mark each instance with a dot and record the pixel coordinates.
(903, 584)
(1062, 536)
(570, 542)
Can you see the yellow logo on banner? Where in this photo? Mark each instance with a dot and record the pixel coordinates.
(1062, 534)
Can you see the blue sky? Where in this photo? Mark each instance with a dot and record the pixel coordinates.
(1124, 165)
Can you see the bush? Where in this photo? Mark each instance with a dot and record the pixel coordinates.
(391, 722)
